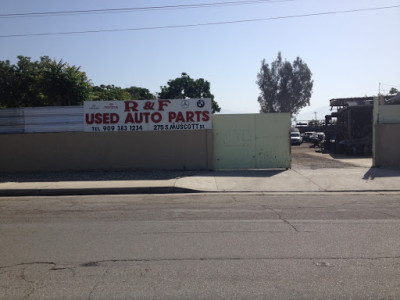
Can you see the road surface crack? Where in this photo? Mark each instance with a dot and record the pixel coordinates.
(97, 283)
(141, 260)
(32, 283)
(29, 264)
(282, 219)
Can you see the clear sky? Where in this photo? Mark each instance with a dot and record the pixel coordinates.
(349, 53)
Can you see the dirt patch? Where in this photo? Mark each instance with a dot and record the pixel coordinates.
(304, 156)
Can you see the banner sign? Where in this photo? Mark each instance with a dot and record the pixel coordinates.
(147, 115)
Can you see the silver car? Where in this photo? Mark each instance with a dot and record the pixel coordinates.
(295, 138)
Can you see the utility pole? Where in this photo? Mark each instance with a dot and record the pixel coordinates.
(315, 115)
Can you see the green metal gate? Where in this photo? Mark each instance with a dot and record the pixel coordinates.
(252, 141)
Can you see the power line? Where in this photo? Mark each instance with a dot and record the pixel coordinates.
(390, 85)
(201, 24)
(137, 9)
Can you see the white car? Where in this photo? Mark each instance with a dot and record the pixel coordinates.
(295, 138)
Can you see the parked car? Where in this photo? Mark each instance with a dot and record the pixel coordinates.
(295, 138)
(317, 138)
(307, 136)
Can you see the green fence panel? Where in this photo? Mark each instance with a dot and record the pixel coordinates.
(251, 141)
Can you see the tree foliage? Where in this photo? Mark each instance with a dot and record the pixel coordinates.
(108, 92)
(138, 93)
(111, 92)
(41, 83)
(48, 82)
(285, 86)
(186, 87)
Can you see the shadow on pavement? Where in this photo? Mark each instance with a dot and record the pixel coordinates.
(373, 173)
(243, 173)
(129, 175)
(93, 176)
(344, 157)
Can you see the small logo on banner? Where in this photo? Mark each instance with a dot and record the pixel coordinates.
(94, 106)
(201, 103)
(185, 104)
(111, 106)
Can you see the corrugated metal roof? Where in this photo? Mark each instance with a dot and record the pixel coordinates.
(354, 101)
(41, 119)
(12, 129)
(53, 110)
(53, 128)
(50, 119)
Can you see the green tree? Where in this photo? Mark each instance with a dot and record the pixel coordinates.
(137, 93)
(186, 87)
(41, 83)
(112, 92)
(285, 87)
(109, 92)
(19, 84)
(393, 91)
(7, 83)
(62, 84)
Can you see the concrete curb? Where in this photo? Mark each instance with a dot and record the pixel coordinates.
(158, 190)
(333, 180)
(94, 191)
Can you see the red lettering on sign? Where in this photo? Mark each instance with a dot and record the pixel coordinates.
(138, 118)
(179, 117)
(206, 116)
(104, 118)
(131, 105)
(162, 103)
(149, 105)
(198, 114)
(146, 117)
(156, 117)
(189, 116)
(114, 118)
(97, 118)
(89, 120)
(129, 119)
(171, 116)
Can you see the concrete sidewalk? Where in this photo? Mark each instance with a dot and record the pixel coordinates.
(358, 179)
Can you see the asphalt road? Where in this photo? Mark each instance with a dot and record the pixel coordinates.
(201, 246)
